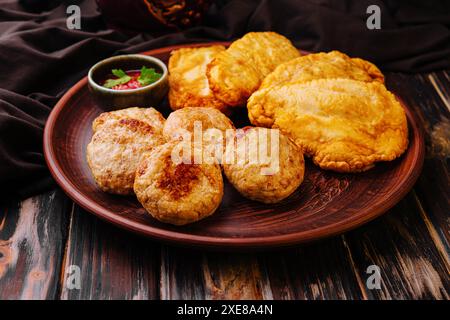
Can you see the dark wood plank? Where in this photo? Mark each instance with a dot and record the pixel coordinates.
(322, 270)
(32, 239)
(399, 243)
(114, 264)
(429, 95)
(434, 184)
(192, 274)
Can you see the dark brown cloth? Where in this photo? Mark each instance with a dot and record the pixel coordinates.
(40, 58)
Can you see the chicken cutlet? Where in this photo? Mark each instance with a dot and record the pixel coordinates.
(185, 119)
(234, 74)
(187, 78)
(119, 140)
(344, 125)
(148, 115)
(177, 193)
(267, 180)
(323, 65)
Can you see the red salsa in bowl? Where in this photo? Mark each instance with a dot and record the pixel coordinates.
(131, 79)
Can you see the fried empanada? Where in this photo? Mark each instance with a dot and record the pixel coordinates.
(187, 78)
(344, 125)
(234, 74)
(323, 65)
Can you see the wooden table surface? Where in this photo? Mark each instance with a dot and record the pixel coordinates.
(41, 238)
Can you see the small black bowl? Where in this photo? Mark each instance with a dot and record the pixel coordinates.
(110, 99)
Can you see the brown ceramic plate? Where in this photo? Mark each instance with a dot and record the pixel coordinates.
(326, 203)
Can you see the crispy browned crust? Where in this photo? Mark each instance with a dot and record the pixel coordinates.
(185, 176)
(177, 193)
(184, 119)
(187, 78)
(148, 115)
(344, 125)
(182, 100)
(247, 176)
(234, 74)
(371, 69)
(119, 139)
(323, 65)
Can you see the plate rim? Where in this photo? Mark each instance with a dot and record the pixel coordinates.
(185, 239)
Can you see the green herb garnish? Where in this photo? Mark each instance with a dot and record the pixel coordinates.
(122, 78)
(148, 76)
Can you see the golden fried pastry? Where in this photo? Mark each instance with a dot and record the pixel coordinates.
(120, 138)
(185, 119)
(234, 74)
(269, 178)
(322, 65)
(187, 78)
(177, 193)
(345, 125)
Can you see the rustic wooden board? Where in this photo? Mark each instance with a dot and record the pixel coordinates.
(192, 274)
(114, 264)
(32, 238)
(400, 244)
(430, 95)
(322, 270)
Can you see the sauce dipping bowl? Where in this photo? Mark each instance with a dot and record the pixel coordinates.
(112, 99)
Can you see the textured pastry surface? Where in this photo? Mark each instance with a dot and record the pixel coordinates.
(234, 74)
(150, 116)
(119, 139)
(187, 78)
(279, 180)
(323, 65)
(177, 193)
(185, 119)
(345, 125)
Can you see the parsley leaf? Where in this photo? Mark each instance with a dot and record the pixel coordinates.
(148, 76)
(122, 78)
(119, 73)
